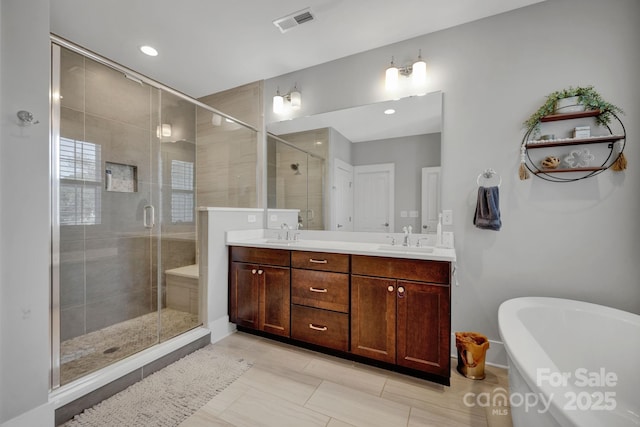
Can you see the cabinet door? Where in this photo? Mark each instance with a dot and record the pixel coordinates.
(423, 327)
(244, 295)
(373, 318)
(275, 300)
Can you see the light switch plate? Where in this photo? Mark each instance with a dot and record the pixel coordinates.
(413, 214)
(403, 214)
(447, 217)
(251, 218)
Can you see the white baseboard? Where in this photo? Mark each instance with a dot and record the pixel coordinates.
(496, 354)
(221, 328)
(43, 415)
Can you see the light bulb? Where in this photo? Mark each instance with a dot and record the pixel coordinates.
(296, 99)
(278, 104)
(391, 77)
(419, 73)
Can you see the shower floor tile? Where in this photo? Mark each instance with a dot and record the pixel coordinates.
(95, 350)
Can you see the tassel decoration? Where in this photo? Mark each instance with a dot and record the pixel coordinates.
(621, 162)
(523, 172)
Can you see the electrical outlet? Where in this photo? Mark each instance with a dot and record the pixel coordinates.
(413, 214)
(273, 218)
(403, 214)
(447, 217)
(251, 218)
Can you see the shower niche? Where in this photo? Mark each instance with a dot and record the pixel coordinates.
(121, 178)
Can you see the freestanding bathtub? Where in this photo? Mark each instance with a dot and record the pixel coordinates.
(571, 363)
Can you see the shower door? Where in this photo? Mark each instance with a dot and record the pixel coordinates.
(117, 169)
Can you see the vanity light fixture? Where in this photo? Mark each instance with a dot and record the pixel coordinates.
(294, 99)
(418, 71)
(148, 50)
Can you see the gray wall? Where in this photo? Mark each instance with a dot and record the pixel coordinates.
(24, 208)
(577, 240)
(409, 154)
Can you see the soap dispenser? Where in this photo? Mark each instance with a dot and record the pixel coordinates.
(439, 231)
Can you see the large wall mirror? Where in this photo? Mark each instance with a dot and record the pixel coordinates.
(372, 168)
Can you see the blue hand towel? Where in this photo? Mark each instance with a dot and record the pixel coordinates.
(488, 209)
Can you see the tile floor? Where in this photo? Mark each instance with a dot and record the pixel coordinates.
(289, 386)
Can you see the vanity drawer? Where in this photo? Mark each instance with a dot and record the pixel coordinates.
(320, 261)
(402, 268)
(320, 289)
(260, 255)
(320, 327)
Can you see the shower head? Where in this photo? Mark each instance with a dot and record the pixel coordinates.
(296, 167)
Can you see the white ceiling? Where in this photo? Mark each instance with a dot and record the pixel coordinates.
(211, 45)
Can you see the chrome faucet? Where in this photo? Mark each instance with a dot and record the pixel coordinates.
(407, 233)
(418, 244)
(285, 226)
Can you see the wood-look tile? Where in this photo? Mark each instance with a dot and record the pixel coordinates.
(356, 407)
(424, 396)
(288, 385)
(259, 409)
(441, 417)
(225, 398)
(346, 375)
(337, 423)
(204, 419)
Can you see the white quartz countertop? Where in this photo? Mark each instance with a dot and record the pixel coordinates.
(358, 244)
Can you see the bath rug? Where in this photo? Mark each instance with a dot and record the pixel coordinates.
(169, 396)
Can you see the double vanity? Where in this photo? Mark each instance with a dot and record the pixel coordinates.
(378, 303)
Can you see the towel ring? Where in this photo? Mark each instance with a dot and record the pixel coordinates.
(488, 174)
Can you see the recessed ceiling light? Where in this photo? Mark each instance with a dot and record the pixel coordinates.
(148, 50)
(390, 111)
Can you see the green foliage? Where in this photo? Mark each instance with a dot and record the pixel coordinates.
(587, 96)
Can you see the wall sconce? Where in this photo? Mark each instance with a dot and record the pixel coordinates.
(163, 130)
(294, 98)
(417, 71)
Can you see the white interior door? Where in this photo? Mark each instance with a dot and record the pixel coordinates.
(430, 198)
(374, 197)
(342, 196)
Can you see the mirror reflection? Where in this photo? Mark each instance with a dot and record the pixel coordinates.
(372, 168)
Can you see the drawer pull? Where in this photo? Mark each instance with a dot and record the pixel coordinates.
(254, 271)
(260, 271)
(317, 328)
(390, 288)
(322, 291)
(318, 261)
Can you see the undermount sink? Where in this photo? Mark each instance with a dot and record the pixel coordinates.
(400, 248)
(281, 242)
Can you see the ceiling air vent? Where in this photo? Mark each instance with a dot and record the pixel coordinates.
(291, 21)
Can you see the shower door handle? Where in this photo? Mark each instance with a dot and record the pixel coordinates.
(149, 220)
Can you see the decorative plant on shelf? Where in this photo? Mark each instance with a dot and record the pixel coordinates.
(587, 96)
(591, 100)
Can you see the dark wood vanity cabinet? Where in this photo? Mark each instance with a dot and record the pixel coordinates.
(259, 291)
(400, 312)
(393, 310)
(320, 299)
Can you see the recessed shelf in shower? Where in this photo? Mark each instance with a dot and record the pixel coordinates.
(121, 178)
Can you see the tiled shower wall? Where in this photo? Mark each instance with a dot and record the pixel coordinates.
(107, 256)
(303, 191)
(227, 153)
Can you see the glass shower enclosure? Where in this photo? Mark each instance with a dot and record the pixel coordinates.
(123, 215)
